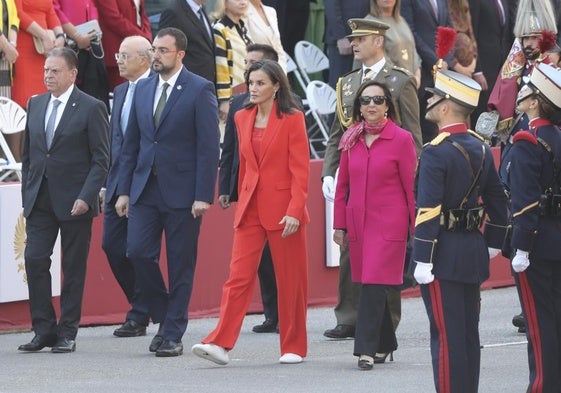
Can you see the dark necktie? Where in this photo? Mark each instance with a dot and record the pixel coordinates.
(161, 103)
(50, 129)
(368, 74)
(501, 12)
(125, 112)
(202, 18)
(434, 4)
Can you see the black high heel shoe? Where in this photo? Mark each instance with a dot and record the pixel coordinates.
(381, 358)
(365, 364)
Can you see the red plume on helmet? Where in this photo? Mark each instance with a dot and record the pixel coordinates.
(445, 37)
(547, 41)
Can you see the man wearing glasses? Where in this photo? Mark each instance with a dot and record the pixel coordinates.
(367, 41)
(166, 183)
(134, 60)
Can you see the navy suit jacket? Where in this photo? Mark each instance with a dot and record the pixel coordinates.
(183, 149)
(116, 139)
(423, 23)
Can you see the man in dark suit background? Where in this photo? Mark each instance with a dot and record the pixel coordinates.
(64, 164)
(339, 50)
(424, 17)
(134, 60)
(493, 32)
(190, 17)
(168, 172)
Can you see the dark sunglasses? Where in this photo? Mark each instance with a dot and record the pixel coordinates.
(378, 100)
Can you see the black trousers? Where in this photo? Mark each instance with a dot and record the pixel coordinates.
(268, 285)
(539, 289)
(42, 228)
(374, 327)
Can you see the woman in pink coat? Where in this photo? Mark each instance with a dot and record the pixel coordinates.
(374, 212)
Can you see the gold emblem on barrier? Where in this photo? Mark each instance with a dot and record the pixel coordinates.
(20, 239)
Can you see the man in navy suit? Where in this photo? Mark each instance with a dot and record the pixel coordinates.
(167, 178)
(134, 60)
(424, 17)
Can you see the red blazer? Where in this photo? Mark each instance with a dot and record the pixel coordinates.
(117, 20)
(279, 177)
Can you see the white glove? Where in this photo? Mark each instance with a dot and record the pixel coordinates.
(423, 273)
(493, 252)
(328, 188)
(520, 262)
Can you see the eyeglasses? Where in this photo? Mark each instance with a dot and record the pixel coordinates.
(163, 51)
(378, 100)
(124, 56)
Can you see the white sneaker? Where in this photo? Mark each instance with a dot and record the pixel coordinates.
(211, 352)
(290, 358)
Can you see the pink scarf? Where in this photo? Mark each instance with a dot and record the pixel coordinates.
(353, 133)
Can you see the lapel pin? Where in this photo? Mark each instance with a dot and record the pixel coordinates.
(179, 87)
(73, 104)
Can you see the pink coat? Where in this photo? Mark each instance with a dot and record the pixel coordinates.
(374, 202)
(75, 11)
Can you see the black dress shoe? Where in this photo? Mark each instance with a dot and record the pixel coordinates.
(520, 322)
(157, 340)
(269, 326)
(64, 345)
(340, 331)
(39, 342)
(130, 329)
(170, 348)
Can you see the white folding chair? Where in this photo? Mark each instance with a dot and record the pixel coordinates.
(322, 100)
(310, 59)
(12, 120)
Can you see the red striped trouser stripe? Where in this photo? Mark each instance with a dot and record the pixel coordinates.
(443, 355)
(533, 330)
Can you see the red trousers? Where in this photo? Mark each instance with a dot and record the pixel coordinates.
(291, 270)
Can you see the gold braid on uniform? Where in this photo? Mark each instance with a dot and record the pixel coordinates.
(345, 122)
(439, 138)
(425, 214)
(525, 209)
(475, 134)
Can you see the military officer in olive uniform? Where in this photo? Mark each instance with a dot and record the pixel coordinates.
(367, 40)
(450, 253)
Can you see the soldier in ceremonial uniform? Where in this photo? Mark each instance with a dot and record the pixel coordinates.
(533, 179)
(451, 255)
(367, 40)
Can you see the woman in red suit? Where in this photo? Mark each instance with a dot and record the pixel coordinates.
(273, 187)
(36, 17)
(374, 213)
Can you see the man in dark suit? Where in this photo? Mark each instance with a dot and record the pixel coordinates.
(65, 160)
(190, 17)
(134, 60)
(493, 33)
(424, 17)
(339, 50)
(168, 172)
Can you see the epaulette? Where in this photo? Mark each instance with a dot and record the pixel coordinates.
(350, 72)
(404, 70)
(439, 139)
(475, 134)
(525, 136)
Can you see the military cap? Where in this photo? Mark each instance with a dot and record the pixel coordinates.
(362, 27)
(545, 81)
(456, 87)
